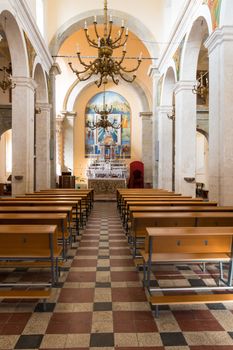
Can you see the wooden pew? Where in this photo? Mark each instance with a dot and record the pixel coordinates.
(141, 221)
(89, 191)
(188, 245)
(29, 242)
(126, 199)
(158, 201)
(58, 219)
(25, 201)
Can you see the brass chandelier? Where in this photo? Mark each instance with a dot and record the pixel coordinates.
(6, 82)
(105, 65)
(202, 87)
(103, 122)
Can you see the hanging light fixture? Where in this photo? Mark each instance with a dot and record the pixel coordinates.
(105, 65)
(103, 122)
(6, 82)
(202, 87)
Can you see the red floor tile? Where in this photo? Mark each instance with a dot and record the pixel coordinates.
(121, 262)
(68, 323)
(82, 276)
(76, 295)
(124, 276)
(128, 294)
(84, 263)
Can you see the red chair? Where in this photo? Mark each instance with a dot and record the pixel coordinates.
(136, 179)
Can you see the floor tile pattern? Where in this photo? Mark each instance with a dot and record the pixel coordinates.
(100, 303)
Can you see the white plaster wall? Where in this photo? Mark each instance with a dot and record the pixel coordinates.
(3, 158)
(202, 159)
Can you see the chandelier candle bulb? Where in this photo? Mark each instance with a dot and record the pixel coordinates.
(110, 18)
(78, 48)
(122, 23)
(85, 25)
(127, 31)
(98, 41)
(124, 49)
(95, 19)
(140, 56)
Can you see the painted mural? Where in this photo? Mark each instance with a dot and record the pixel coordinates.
(118, 139)
(215, 8)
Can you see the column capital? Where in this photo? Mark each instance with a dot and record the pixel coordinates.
(153, 72)
(25, 82)
(146, 115)
(55, 69)
(218, 37)
(184, 85)
(43, 106)
(68, 114)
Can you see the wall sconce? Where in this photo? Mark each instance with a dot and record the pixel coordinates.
(172, 114)
(202, 87)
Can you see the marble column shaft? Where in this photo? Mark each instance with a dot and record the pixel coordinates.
(23, 107)
(147, 146)
(185, 146)
(165, 147)
(220, 47)
(43, 146)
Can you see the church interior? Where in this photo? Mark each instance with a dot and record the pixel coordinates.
(116, 196)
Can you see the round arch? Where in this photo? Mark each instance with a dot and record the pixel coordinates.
(168, 86)
(16, 43)
(76, 23)
(78, 87)
(200, 29)
(41, 81)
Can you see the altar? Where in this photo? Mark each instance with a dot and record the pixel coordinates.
(106, 185)
(105, 176)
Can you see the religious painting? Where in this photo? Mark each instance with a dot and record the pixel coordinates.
(118, 137)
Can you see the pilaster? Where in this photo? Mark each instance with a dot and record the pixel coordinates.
(68, 139)
(155, 75)
(185, 144)
(23, 135)
(42, 146)
(147, 146)
(220, 49)
(54, 71)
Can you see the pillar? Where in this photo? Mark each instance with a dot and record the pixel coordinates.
(43, 146)
(154, 73)
(147, 147)
(55, 70)
(23, 108)
(68, 137)
(185, 145)
(60, 144)
(166, 147)
(220, 49)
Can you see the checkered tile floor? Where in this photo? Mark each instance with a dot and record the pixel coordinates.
(100, 302)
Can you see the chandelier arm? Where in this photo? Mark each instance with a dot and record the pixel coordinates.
(120, 44)
(99, 82)
(116, 81)
(127, 79)
(92, 43)
(110, 29)
(118, 64)
(85, 64)
(119, 37)
(96, 31)
(86, 78)
(78, 72)
(131, 70)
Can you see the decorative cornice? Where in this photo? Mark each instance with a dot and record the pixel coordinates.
(46, 107)
(55, 69)
(69, 114)
(184, 85)
(27, 22)
(153, 72)
(25, 82)
(146, 115)
(218, 37)
(165, 109)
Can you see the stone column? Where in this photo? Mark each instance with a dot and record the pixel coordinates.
(68, 137)
(154, 73)
(23, 108)
(220, 47)
(55, 70)
(147, 146)
(165, 147)
(185, 145)
(60, 142)
(42, 146)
